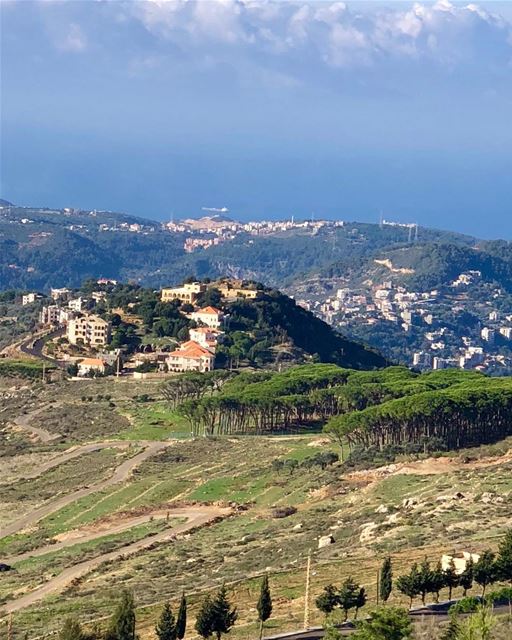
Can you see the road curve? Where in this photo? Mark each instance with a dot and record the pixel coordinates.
(121, 473)
(24, 420)
(197, 516)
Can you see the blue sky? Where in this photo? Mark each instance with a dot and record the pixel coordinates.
(268, 108)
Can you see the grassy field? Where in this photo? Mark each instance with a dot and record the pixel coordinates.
(412, 509)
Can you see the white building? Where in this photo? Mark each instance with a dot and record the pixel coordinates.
(206, 337)
(59, 294)
(77, 304)
(488, 334)
(209, 316)
(191, 356)
(29, 298)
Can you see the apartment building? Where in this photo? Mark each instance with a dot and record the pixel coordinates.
(206, 337)
(89, 330)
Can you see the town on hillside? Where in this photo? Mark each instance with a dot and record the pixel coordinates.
(465, 324)
(84, 332)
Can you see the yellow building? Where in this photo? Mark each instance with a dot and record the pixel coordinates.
(187, 293)
(89, 330)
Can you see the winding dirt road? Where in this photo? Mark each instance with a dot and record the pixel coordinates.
(197, 516)
(122, 473)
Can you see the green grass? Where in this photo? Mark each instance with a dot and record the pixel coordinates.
(154, 421)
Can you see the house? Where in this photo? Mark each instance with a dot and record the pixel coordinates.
(58, 294)
(207, 337)
(29, 298)
(87, 365)
(76, 304)
(187, 293)
(191, 356)
(231, 291)
(209, 316)
(460, 560)
(89, 330)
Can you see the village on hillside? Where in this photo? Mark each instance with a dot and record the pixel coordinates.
(80, 329)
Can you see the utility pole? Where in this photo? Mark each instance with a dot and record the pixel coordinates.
(306, 598)
(378, 586)
(9, 627)
(44, 372)
(118, 366)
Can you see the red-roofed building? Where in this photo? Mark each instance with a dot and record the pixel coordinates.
(206, 337)
(191, 356)
(209, 316)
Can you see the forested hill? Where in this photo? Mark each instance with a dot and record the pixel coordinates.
(43, 247)
(430, 265)
(268, 330)
(281, 320)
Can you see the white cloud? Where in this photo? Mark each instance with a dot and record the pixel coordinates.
(73, 39)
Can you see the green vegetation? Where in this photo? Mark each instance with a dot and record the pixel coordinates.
(29, 369)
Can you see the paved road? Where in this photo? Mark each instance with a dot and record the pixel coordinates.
(121, 474)
(196, 517)
(34, 347)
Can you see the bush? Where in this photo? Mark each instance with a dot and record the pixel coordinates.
(283, 512)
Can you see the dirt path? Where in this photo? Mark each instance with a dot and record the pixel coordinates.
(23, 422)
(429, 466)
(196, 517)
(121, 473)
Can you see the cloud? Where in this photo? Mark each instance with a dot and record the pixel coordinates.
(73, 39)
(288, 36)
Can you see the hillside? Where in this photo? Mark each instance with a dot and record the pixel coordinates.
(120, 496)
(43, 248)
(270, 330)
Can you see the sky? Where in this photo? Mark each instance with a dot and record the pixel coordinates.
(272, 109)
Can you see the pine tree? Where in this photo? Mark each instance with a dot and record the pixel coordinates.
(264, 605)
(348, 595)
(452, 631)
(504, 559)
(437, 580)
(204, 619)
(425, 579)
(360, 600)
(451, 578)
(223, 615)
(71, 630)
(386, 580)
(385, 623)
(485, 570)
(409, 584)
(466, 577)
(122, 624)
(181, 622)
(166, 626)
(328, 600)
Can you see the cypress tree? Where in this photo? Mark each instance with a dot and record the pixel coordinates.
(264, 605)
(181, 622)
(122, 624)
(438, 580)
(166, 626)
(386, 580)
(71, 630)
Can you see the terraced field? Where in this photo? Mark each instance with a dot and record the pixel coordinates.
(190, 514)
